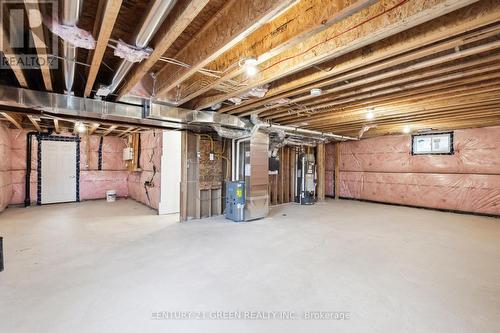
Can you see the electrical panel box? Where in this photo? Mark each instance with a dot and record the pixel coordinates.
(128, 154)
(235, 201)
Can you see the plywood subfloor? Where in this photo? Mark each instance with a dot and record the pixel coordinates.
(98, 267)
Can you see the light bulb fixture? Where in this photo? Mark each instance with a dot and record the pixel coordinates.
(407, 129)
(316, 91)
(80, 127)
(250, 66)
(370, 115)
(251, 70)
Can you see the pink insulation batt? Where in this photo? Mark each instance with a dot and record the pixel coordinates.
(5, 173)
(93, 182)
(113, 176)
(151, 150)
(383, 169)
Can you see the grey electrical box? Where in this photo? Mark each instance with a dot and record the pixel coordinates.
(235, 201)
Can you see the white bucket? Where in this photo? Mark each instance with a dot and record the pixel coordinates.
(111, 196)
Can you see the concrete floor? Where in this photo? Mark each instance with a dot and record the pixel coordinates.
(99, 267)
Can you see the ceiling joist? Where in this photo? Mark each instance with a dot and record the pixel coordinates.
(236, 21)
(183, 14)
(111, 10)
(384, 19)
(301, 21)
(37, 33)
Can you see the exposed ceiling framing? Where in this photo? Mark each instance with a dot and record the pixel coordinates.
(381, 65)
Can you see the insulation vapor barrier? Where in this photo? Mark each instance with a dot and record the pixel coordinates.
(383, 169)
(94, 182)
(5, 173)
(144, 185)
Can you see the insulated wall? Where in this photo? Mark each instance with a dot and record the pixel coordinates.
(110, 174)
(144, 185)
(5, 174)
(330, 170)
(383, 169)
(93, 182)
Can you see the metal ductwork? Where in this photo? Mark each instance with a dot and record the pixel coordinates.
(151, 114)
(155, 17)
(71, 12)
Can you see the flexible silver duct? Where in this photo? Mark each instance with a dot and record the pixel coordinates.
(71, 12)
(155, 17)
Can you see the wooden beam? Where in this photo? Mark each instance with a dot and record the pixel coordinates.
(97, 25)
(37, 32)
(336, 173)
(383, 105)
(473, 77)
(320, 153)
(13, 119)
(382, 53)
(11, 56)
(369, 26)
(108, 21)
(180, 17)
(346, 80)
(426, 77)
(34, 122)
(127, 131)
(301, 21)
(57, 129)
(93, 128)
(233, 23)
(109, 130)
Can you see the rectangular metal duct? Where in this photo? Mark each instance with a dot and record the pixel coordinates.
(170, 113)
(152, 114)
(256, 176)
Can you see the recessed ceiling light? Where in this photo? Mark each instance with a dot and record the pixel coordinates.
(407, 129)
(316, 91)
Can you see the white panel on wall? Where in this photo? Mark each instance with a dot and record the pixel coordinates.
(170, 173)
(58, 171)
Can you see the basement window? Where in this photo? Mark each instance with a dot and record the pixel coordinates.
(432, 144)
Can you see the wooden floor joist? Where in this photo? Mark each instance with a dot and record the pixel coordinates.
(385, 19)
(37, 33)
(388, 51)
(301, 21)
(236, 21)
(111, 10)
(9, 54)
(109, 130)
(13, 119)
(34, 121)
(183, 14)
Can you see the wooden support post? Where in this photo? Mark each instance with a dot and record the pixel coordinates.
(337, 170)
(183, 210)
(320, 163)
(292, 175)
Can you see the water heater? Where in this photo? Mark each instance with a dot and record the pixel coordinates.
(306, 179)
